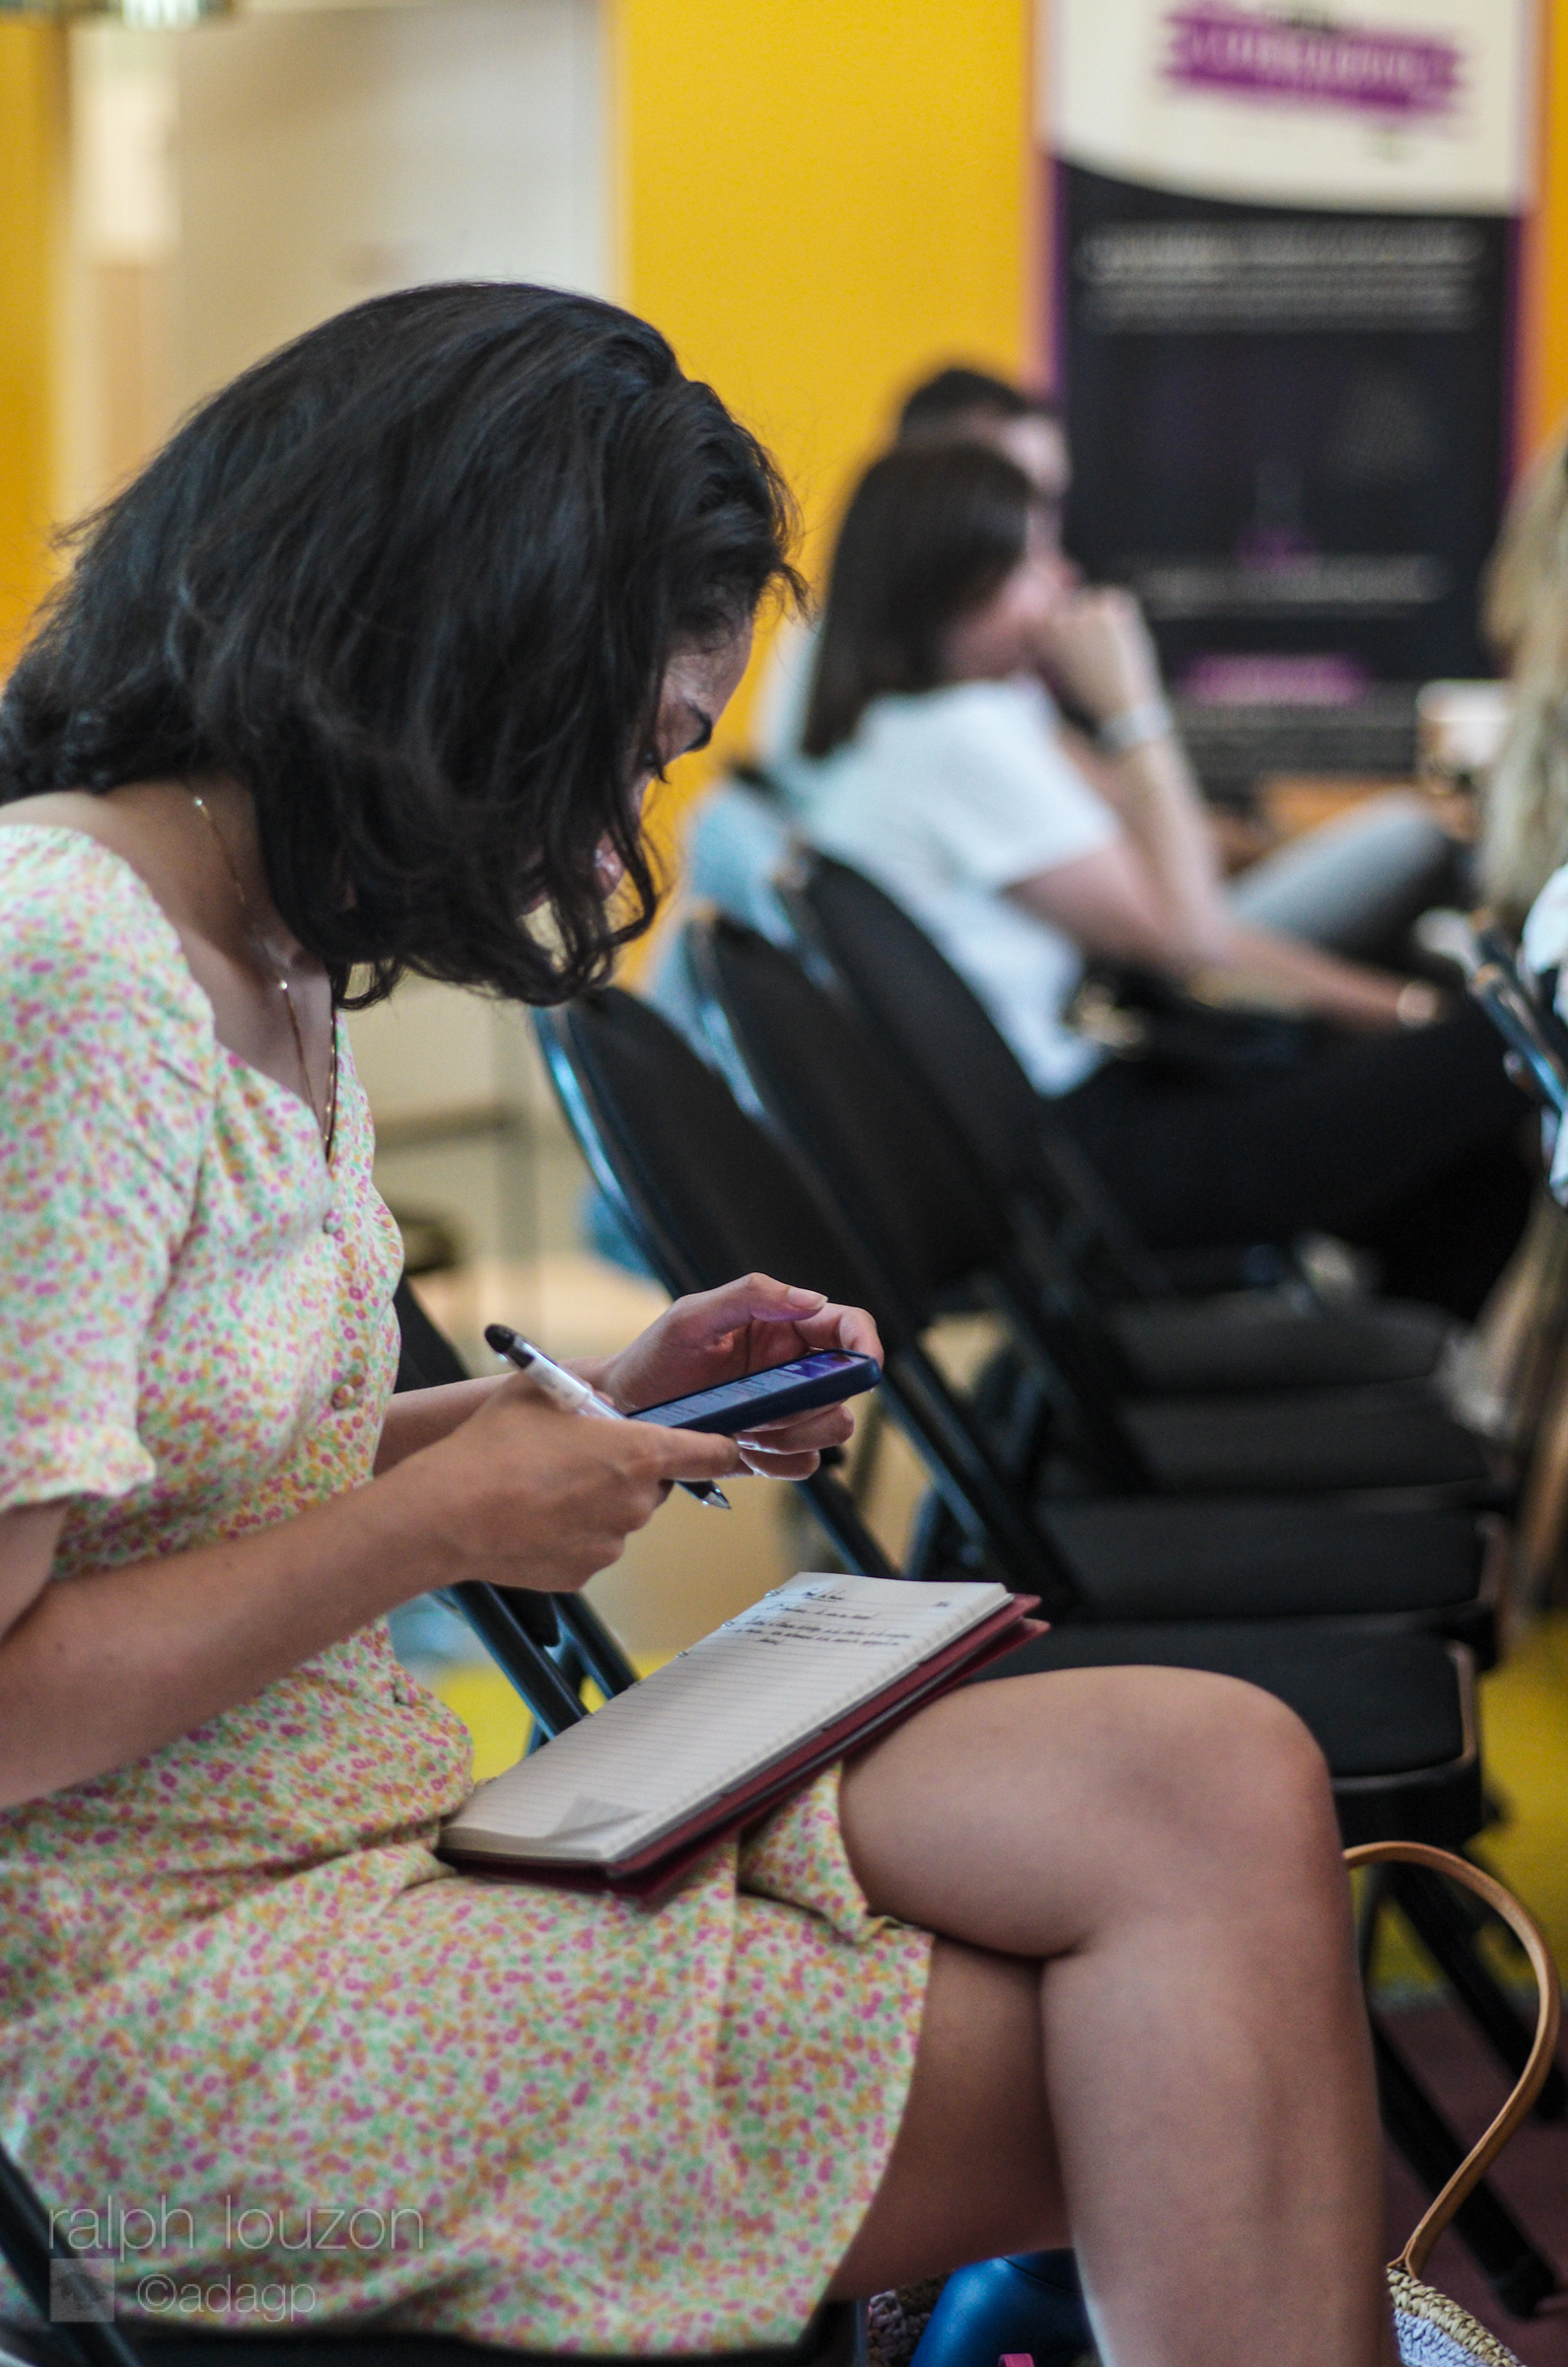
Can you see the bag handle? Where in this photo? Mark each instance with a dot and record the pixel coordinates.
(1532, 2079)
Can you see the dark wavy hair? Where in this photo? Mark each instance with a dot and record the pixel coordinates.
(414, 581)
(931, 532)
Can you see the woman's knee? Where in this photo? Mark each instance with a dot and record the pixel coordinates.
(1229, 1785)
(1022, 1815)
(1196, 1765)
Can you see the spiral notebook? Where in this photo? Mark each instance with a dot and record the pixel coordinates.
(710, 1742)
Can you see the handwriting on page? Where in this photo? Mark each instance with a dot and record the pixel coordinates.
(837, 1632)
(810, 1617)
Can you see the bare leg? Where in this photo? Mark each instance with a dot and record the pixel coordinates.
(1151, 2023)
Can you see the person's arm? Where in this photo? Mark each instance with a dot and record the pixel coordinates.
(1347, 992)
(98, 1670)
(422, 1417)
(1155, 896)
(1104, 903)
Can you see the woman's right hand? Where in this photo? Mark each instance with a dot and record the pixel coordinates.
(524, 1494)
(1095, 649)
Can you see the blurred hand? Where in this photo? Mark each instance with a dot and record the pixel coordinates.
(1095, 649)
(526, 1494)
(747, 1327)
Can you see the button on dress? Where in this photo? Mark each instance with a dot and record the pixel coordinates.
(242, 2004)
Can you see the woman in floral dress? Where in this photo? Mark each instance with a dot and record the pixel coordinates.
(370, 671)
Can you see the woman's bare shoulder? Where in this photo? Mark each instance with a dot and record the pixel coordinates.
(141, 822)
(59, 810)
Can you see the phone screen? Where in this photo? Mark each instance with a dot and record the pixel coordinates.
(755, 1388)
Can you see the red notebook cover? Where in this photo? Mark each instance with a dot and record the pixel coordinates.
(661, 1864)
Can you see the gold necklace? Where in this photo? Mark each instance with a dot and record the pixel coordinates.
(326, 1128)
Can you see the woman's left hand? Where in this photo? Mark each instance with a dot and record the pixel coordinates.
(747, 1327)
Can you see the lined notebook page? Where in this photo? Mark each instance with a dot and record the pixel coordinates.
(757, 1689)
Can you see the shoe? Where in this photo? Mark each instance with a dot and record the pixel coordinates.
(1029, 2303)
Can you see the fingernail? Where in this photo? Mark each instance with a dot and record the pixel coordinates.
(807, 1298)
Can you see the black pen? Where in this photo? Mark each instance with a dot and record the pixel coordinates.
(564, 1388)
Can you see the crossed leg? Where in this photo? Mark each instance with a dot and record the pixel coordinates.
(1144, 2021)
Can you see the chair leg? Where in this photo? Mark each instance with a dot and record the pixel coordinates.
(596, 1647)
(1518, 2274)
(1448, 1935)
(497, 1618)
(569, 1659)
(870, 1430)
(836, 1510)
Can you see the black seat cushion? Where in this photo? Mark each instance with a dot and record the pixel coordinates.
(1386, 1705)
(1307, 1441)
(1250, 1341)
(1134, 1559)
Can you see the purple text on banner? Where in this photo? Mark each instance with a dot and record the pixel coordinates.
(1255, 55)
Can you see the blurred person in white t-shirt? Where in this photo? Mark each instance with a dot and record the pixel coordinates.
(1353, 885)
(938, 761)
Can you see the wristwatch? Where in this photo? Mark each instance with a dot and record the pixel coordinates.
(1136, 727)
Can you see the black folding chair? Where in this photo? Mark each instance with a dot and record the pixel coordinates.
(708, 1194)
(938, 1034)
(929, 1217)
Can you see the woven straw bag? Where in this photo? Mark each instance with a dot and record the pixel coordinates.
(1433, 2330)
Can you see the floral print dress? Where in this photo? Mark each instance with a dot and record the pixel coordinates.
(262, 2052)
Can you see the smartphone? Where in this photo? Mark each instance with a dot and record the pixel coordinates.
(823, 1378)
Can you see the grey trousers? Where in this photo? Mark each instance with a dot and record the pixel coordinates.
(1355, 885)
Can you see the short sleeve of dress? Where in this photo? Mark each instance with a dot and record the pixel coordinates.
(106, 1085)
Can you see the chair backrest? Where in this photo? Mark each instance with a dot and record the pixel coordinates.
(947, 1042)
(882, 1153)
(709, 1193)
(919, 1005)
(874, 1147)
(704, 1192)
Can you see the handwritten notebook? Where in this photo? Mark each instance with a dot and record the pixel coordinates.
(634, 1794)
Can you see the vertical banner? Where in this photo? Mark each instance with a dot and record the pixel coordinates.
(1284, 263)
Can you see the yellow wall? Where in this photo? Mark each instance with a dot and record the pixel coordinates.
(32, 175)
(818, 202)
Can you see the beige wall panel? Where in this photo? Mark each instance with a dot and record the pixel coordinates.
(328, 157)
